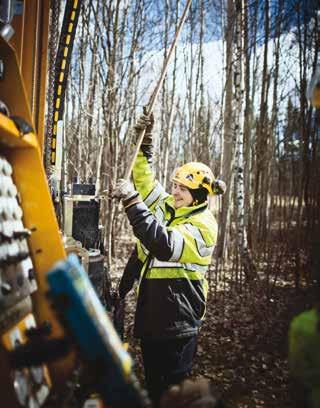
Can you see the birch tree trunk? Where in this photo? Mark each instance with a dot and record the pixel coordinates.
(227, 157)
(246, 263)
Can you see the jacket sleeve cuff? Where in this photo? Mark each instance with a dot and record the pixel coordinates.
(132, 201)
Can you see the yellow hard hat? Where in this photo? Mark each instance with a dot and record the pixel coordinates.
(313, 90)
(195, 175)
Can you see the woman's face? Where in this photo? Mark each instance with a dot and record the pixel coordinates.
(181, 195)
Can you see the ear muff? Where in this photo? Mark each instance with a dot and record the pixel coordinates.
(218, 187)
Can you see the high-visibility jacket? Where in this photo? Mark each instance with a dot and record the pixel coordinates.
(304, 354)
(175, 247)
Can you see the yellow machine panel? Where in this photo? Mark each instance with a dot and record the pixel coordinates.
(30, 42)
(42, 355)
(32, 385)
(30, 241)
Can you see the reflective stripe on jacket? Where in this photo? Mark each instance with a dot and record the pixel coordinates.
(175, 246)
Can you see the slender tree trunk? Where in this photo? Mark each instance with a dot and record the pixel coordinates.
(262, 139)
(228, 134)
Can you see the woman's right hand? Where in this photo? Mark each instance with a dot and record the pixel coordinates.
(145, 122)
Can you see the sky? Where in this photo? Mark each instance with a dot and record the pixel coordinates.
(214, 77)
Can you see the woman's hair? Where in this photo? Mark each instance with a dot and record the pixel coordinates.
(199, 195)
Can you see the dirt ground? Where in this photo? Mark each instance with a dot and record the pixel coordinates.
(243, 345)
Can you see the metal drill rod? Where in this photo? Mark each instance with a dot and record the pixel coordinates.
(155, 93)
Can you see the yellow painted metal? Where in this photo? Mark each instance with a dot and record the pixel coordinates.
(17, 331)
(23, 91)
(45, 243)
(30, 43)
(17, 39)
(29, 52)
(20, 330)
(43, 68)
(12, 87)
(61, 76)
(11, 137)
(24, 86)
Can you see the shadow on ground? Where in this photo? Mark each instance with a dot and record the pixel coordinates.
(243, 346)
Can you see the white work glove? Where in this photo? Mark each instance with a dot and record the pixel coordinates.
(125, 191)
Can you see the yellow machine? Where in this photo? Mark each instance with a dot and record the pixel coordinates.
(51, 336)
(30, 241)
(313, 91)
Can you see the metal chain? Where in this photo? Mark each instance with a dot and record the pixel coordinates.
(62, 64)
(53, 45)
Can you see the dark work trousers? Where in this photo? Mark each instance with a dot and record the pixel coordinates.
(166, 362)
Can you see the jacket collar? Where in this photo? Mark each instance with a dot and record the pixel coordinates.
(184, 211)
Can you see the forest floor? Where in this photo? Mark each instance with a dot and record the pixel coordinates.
(243, 345)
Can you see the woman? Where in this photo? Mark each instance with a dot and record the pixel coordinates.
(176, 237)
